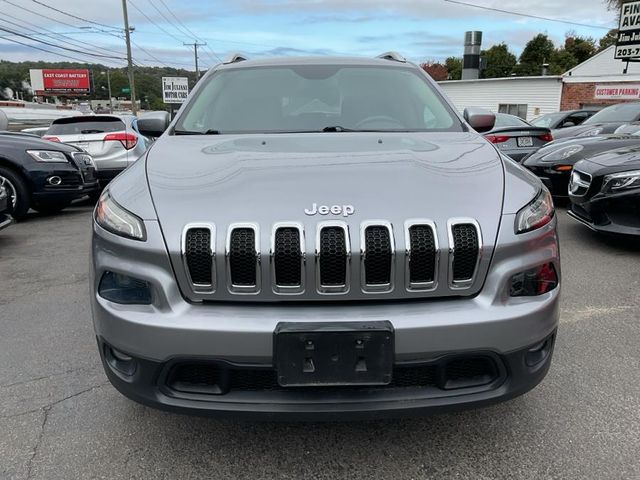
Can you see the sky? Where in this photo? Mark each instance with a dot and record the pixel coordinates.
(422, 30)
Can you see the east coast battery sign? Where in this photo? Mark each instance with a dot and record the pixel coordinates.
(628, 43)
(54, 82)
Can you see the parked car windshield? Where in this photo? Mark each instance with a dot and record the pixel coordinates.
(623, 112)
(547, 120)
(505, 120)
(316, 97)
(86, 125)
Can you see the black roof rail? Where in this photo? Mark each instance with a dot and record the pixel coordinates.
(393, 56)
(234, 58)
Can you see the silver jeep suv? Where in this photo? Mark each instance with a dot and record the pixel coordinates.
(318, 238)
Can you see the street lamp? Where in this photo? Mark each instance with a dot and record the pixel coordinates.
(109, 88)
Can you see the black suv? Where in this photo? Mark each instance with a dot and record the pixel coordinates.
(43, 175)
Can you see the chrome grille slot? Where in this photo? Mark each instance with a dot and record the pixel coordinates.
(465, 244)
(332, 258)
(243, 259)
(378, 251)
(422, 255)
(198, 253)
(287, 258)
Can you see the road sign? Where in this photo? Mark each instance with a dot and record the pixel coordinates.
(628, 43)
(125, 90)
(175, 89)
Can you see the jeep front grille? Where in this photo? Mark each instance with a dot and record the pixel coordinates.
(464, 246)
(198, 248)
(333, 258)
(422, 266)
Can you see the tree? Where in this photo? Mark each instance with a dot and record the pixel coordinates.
(436, 70)
(536, 52)
(454, 67)
(582, 48)
(609, 39)
(498, 61)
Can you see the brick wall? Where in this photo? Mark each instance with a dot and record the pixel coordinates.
(575, 95)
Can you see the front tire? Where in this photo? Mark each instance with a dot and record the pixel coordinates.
(18, 192)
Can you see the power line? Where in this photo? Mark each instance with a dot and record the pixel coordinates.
(72, 15)
(150, 20)
(178, 20)
(537, 17)
(45, 50)
(166, 19)
(39, 14)
(4, 29)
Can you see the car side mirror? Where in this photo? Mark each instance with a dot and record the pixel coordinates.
(568, 124)
(153, 124)
(479, 119)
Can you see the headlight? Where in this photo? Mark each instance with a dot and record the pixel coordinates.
(562, 153)
(621, 181)
(83, 158)
(537, 214)
(591, 133)
(112, 217)
(48, 156)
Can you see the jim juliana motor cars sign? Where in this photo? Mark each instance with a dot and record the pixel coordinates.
(175, 89)
(628, 44)
(55, 82)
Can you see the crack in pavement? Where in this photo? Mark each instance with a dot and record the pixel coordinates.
(44, 377)
(45, 417)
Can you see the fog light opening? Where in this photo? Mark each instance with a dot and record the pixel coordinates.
(120, 361)
(535, 281)
(55, 180)
(538, 353)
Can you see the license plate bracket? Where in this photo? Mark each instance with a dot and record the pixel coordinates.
(525, 142)
(334, 354)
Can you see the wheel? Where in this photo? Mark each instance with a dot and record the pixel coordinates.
(50, 208)
(18, 192)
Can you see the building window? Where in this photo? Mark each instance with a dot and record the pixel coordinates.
(519, 110)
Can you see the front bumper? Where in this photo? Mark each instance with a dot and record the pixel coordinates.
(556, 182)
(252, 392)
(612, 214)
(172, 329)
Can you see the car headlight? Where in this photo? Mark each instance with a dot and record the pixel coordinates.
(562, 153)
(591, 133)
(536, 214)
(83, 158)
(115, 219)
(49, 156)
(621, 181)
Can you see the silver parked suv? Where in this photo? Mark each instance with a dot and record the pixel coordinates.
(323, 238)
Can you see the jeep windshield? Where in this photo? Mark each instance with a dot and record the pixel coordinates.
(316, 98)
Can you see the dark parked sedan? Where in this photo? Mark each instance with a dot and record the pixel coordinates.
(516, 138)
(5, 208)
(43, 175)
(604, 122)
(553, 163)
(566, 119)
(605, 192)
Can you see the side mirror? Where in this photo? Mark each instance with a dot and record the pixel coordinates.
(568, 124)
(479, 119)
(153, 124)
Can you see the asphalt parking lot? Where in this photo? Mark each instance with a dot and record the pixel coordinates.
(60, 419)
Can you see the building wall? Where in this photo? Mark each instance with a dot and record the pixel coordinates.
(540, 94)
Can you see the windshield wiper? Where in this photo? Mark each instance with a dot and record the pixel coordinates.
(337, 128)
(211, 131)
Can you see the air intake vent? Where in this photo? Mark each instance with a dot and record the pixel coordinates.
(242, 251)
(422, 256)
(287, 251)
(377, 250)
(198, 252)
(333, 256)
(465, 242)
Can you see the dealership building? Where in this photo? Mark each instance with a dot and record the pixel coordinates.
(597, 82)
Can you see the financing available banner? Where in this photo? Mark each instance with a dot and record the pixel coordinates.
(628, 43)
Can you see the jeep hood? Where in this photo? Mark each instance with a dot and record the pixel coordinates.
(265, 179)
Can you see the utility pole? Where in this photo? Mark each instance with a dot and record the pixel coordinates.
(127, 32)
(195, 46)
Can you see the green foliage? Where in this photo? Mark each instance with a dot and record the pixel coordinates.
(609, 39)
(498, 61)
(454, 67)
(148, 80)
(537, 51)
